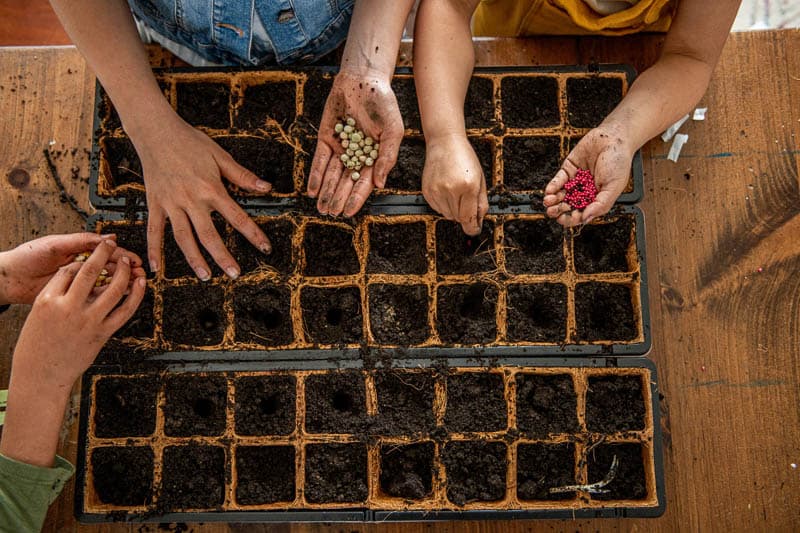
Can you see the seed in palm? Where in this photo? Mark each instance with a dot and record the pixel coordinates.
(360, 150)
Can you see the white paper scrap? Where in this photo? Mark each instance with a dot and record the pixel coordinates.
(700, 113)
(677, 145)
(672, 130)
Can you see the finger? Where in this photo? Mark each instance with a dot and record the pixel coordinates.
(322, 156)
(237, 174)
(68, 245)
(571, 219)
(61, 280)
(184, 237)
(468, 214)
(361, 191)
(242, 223)
(554, 199)
(343, 190)
(212, 242)
(558, 210)
(483, 203)
(330, 181)
(124, 312)
(155, 236)
(114, 291)
(87, 276)
(602, 204)
(559, 180)
(120, 252)
(390, 141)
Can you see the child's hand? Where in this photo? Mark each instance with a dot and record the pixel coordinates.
(453, 182)
(608, 157)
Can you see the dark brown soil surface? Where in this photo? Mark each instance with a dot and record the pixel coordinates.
(484, 149)
(193, 477)
(405, 403)
(123, 476)
(273, 100)
(615, 403)
(265, 405)
(406, 95)
(407, 471)
(534, 246)
(546, 404)
(604, 311)
(141, 324)
(475, 402)
(266, 474)
(478, 105)
(108, 113)
(630, 482)
(603, 247)
(458, 253)
(467, 313)
(193, 314)
(541, 467)
(205, 104)
(529, 163)
(315, 94)
(329, 251)
(590, 100)
(175, 264)
(476, 471)
(398, 314)
(397, 249)
(336, 473)
(332, 315)
(133, 237)
(537, 313)
(263, 314)
(279, 232)
(123, 161)
(269, 159)
(125, 407)
(195, 405)
(336, 403)
(530, 102)
(406, 175)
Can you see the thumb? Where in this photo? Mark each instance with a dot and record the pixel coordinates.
(238, 175)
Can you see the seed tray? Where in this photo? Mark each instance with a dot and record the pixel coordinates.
(323, 441)
(268, 120)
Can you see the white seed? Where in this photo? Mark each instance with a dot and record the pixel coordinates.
(359, 152)
(104, 272)
(362, 158)
(343, 135)
(345, 143)
(350, 152)
(369, 161)
(361, 144)
(338, 127)
(355, 137)
(351, 121)
(368, 141)
(377, 146)
(354, 176)
(351, 164)
(348, 129)
(358, 166)
(374, 154)
(344, 158)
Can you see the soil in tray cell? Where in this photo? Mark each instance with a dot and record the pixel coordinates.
(263, 314)
(590, 100)
(332, 315)
(265, 405)
(529, 163)
(123, 476)
(108, 113)
(629, 482)
(125, 407)
(397, 248)
(315, 94)
(205, 104)
(269, 159)
(466, 314)
(541, 467)
(329, 250)
(123, 161)
(614, 403)
(335, 402)
(132, 237)
(604, 311)
(279, 232)
(195, 405)
(459, 253)
(475, 402)
(479, 105)
(406, 175)
(266, 474)
(141, 324)
(175, 263)
(193, 477)
(546, 405)
(405, 403)
(407, 470)
(398, 314)
(603, 247)
(537, 313)
(406, 95)
(272, 100)
(530, 101)
(193, 314)
(336, 473)
(534, 246)
(484, 150)
(475, 470)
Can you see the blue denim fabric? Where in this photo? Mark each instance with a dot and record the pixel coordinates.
(250, 32)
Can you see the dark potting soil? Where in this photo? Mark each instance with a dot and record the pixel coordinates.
(193, 477)
(537, 313)
(273, 100)
(615, 403)
(265, 474)
(398, 314)
(406, 95)
(476, 402)
(329, 250)
(175, 263)
(478, 104)
(269, 159)
(336, 473)
(205, 104)
(315, 94)
(195, 405)
(405, 403)
(529, 163)
(133, 237)
(336, 402)
(397, 249)
(629, 483)
(484, 150)
(265, 405)
(604, 311)
(603, 247)
(459, 253)
(263, 314)
(193, 314)
(407, 173)
(125, 407)
(534, 246)
(475, 470)
(332, 315)
(530, 101)
(123, 161)
(108, 113)
(279, 232)
(466, 314)
(141, 325)
(546, 404)
(123, 476)
(541, 467)
(590, 100)
(407, 471)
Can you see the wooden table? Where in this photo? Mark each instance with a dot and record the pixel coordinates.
(723, 235)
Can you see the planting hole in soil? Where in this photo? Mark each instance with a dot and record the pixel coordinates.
(534, 246)
(478, 105)
(458, 253)
(466, 314)
(263, 314)
(123, 476)
(193, 314)
(267, 101)
(476, 402)
(205, 104)
(125, 407)
(315, 93)
(265, 405)
(329, 250)
(603, 247)
(530, 101)
(407, 470)
(398, 314)
(546, 405)
(193, 477)
(269, 159)
(537, 313)
(629, 482)
(406, 176)
(266, 474)
(335, 403)
(475, 470)
(332, 315)
(397, 248)
(279, 231)
(541, 467)
(604, 311)
(615, 403)
(195, 405)
(336, 473)
(405, 402)
(590, 100)
(529, 163)
(175, 263)
(406, 94)
(123, 161)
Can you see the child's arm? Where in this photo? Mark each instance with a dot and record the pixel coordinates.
(659, 97)
(452, 180)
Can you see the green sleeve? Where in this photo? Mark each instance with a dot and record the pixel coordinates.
(26, 491)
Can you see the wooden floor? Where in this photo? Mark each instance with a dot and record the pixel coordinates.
(723, 247)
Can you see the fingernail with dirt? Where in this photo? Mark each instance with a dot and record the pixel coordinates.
(153, 266)
(266, 249)
(263, 186)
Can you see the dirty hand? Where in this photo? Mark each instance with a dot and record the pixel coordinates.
(453, 182)
(607, 155)
(367, 97)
